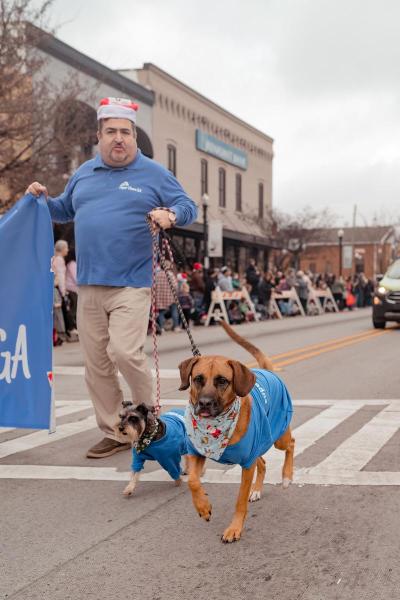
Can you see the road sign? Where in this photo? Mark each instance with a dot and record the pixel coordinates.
(215, 238)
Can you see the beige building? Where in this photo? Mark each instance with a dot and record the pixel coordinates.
(212, 152)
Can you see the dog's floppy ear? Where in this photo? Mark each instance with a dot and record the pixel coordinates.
(143, 409)
(243, 378)
(185, 369)
(126, 403)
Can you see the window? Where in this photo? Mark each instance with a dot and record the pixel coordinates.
(261, 200)
(222, 187)
(204, 176)
(238, 192)
(171, 159)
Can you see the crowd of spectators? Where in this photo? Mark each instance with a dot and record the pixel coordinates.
(65, 298)
(194, 287)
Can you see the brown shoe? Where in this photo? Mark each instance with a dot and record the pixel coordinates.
(106, 447)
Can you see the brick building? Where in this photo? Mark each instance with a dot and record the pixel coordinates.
(363, 249)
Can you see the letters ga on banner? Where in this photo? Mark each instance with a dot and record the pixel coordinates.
(26, 315)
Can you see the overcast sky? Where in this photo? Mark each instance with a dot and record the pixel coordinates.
(322, 77)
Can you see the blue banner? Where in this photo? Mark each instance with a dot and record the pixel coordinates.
(26, 320)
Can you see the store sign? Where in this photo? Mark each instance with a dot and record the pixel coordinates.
(214, 146)
(215, 238)
(347, 260)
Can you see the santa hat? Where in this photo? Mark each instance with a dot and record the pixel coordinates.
(117, 108)
(197, 266)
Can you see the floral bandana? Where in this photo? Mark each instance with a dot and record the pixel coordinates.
(210, 436)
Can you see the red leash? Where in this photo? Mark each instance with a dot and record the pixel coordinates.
(161, 251)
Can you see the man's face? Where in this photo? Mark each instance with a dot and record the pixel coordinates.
(117, 142)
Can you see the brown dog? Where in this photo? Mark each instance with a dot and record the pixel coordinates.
(215, 384)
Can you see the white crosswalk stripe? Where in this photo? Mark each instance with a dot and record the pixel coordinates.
(360, 448)
(306, 435)
(343, 466)
(63, 409)
(80, 371)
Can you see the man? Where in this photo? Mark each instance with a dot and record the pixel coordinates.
(225, 280)
(264, 293)
(302, 285)
(252, 274)
(197, 289)
(108, 198)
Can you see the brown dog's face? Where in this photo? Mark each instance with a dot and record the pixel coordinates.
(133, 420)
(214, 382)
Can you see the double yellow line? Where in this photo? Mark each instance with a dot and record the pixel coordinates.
(306, 352)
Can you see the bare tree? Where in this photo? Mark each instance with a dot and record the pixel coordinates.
(290, 233)
(40, 127)
(301, 227)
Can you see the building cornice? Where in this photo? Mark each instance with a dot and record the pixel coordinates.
(161, 73)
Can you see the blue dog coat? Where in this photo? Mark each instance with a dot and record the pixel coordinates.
(271, 413)
(168, 450)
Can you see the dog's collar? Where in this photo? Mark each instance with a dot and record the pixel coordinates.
(146, 438)
(210, 436)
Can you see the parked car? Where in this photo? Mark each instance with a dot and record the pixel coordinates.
(386, 301)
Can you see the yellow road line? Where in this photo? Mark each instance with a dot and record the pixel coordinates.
(307, 355)
(320, 348)
(323, 344)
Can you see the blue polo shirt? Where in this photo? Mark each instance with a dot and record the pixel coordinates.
(109, 206)
(271, 413)
(168, 450)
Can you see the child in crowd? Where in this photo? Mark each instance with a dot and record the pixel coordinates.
(185, 300)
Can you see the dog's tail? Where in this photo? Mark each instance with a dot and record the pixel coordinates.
(263, 361)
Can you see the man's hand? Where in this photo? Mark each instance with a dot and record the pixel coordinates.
(36, 189)
(162, 218)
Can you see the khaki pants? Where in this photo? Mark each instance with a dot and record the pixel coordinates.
(112, 325)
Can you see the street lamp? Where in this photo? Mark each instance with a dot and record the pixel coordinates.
(340, 235)
(205, 199)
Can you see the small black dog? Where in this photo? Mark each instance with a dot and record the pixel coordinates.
(162, 439)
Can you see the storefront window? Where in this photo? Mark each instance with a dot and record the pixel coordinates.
(222, 187)
(260, 200)
(238, 192)
(171, 159)
(204, 176)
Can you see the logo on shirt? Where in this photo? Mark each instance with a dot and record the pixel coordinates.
(126, 186)
(262, 391)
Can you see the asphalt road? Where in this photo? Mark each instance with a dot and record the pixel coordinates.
(67, 532)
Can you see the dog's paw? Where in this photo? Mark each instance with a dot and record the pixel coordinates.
(231, 534)
(204, 509)
(254, 496)
(286, 482)
(178, 482)
(128, 491)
